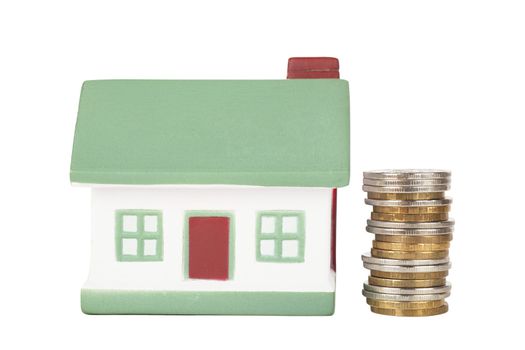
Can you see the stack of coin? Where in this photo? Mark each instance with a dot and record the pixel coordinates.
(409, 259)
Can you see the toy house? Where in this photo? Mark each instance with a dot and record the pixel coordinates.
(214, 196)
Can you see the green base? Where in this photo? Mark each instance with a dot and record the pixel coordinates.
(99, 302)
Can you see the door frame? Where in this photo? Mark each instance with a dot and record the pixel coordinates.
(186, 238)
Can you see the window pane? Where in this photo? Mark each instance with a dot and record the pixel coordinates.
(129, 223)
(150, 223)
(150, 247)
(129, 246)
(268, 224)
(290, 248)
(290, 224)
(267, 247)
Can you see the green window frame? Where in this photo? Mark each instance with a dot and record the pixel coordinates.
(280, 236)
(138, 235)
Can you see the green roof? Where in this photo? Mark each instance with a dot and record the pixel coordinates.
(242, 132)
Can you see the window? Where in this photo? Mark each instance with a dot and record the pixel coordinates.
(138, 235)
(280, 236)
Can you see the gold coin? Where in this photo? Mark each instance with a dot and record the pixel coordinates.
(387, 304)
(410, 217)
(412, 210)
(396, 283)
(408, 312)
(401, 255)
(407, 196)
(413, 238)
(409, 275)
(411, 247)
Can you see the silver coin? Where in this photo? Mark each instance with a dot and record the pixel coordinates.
(399, 297)
(409, 231)
(406, 189)
(402, 174)
(407, 291)
(410, 225)
(403, 183)
(408, 269)
(367, 258)
(415, 203)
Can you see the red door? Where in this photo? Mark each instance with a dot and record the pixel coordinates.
(209, 238)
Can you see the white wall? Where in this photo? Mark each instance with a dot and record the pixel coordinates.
(245, 201)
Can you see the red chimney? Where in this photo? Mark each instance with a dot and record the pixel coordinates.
(313, 68)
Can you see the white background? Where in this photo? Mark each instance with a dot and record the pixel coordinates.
(433, 84)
